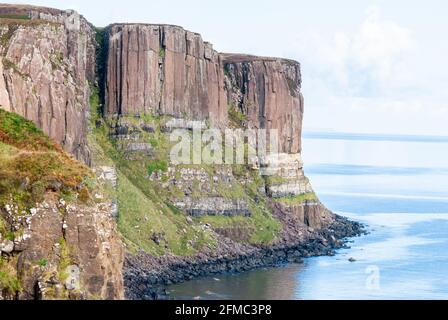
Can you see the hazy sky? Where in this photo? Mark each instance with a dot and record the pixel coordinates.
(368, 65)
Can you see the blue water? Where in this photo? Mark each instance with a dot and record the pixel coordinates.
(398, 187)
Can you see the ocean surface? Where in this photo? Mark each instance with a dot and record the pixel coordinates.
(398, 187)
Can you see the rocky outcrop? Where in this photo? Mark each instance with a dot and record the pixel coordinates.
(267, 92)
(213, 206)
(66, 251)
(58, 236)
(163, 69)
(47, 60)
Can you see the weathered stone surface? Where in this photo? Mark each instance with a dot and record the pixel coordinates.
(56, 234)
(45, 66)
(163, 69)
(290, 189)
(107, 174)
(267, 91)
(213, 206)
(6, 246)
(310, 213)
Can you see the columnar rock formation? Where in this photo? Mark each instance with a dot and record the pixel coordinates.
(163, 69)
(267, 91)
(166, 70)
(47, 60)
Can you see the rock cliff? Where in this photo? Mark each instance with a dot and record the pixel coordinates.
(162, 77)
(113, 105)
(268, 92)
(163, 69)
(47, 60)
(58, 238)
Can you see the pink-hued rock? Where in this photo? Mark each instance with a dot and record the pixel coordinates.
(163, 69)
(46, 64)
(267, 91)
(166, 70)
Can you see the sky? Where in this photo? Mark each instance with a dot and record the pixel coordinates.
(368, 66)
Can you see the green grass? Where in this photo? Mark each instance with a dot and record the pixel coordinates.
(9, 281)
(141, 218)
(18, 132)
(31, 164)
(275, 180)
(262, 228)
(42, 263)
(299, 199)
(65, 260)
(236, 117)
(157, 166)
(15, 16)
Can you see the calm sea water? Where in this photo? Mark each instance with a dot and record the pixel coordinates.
(398, 186)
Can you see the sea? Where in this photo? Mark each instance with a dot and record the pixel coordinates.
(397, 185)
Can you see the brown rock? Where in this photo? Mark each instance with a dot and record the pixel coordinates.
(75, 238)
(163, 69)
(45, 66)
(267, 91)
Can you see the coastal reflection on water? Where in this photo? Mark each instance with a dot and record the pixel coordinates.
(250, 285)
(400, 190)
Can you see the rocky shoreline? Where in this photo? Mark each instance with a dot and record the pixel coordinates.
(147, 276)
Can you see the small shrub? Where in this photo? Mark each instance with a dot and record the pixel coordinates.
(157, 166)
(42, 263)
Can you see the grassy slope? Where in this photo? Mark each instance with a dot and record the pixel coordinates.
(145, 206)
(30, 165)
(145, 215)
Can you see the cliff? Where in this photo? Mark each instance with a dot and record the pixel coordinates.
(163, 69)
(268, 92)
(233, 218)
(58, 238)
(113, 104)
(47, 60)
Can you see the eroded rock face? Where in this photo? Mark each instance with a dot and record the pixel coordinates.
(46, 64)
(267, 91)
(163, 69)
(66, 251)
(213, 206)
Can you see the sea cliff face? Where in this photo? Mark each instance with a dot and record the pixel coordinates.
(160, 78)
(163, 69)
(112, 98)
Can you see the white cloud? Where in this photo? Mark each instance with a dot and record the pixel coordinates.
(370, 80)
